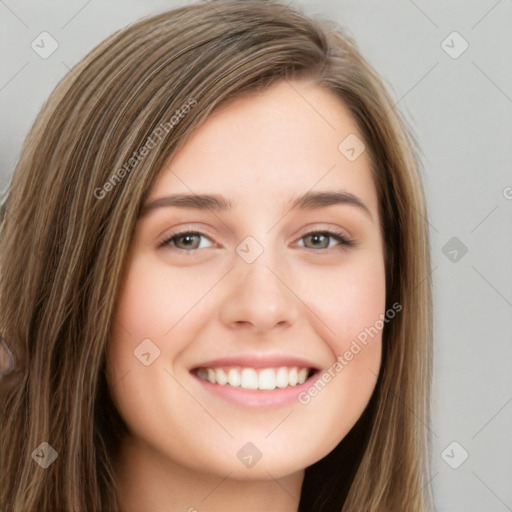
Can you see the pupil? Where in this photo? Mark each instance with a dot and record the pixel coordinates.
(316, 238)
(188, 240)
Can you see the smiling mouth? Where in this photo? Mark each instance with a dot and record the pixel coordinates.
(256, 378)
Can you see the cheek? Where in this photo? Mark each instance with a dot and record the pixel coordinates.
(151, 324)
(347, 301)
(154, 297)
(157, 313)
(351, 308)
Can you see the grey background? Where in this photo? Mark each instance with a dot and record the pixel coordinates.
(460, 110)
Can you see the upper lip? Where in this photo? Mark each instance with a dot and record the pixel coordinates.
(257, 361)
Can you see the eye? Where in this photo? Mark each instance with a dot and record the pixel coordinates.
(188, 241)
(321, 239)
(185, 241)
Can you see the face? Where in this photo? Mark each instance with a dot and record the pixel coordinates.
(237, 345)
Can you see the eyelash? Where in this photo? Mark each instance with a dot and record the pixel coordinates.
(344, 241)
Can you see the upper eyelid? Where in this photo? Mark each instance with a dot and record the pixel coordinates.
(312, 227)
(329, 231)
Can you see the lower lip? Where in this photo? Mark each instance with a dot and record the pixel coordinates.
(277, 397)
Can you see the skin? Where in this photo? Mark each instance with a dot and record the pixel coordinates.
(297, 298)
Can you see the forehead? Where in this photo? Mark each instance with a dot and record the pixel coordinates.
(270, 147)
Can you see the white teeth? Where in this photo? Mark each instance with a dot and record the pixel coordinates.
(292, 377)
(267, 379)
(251, 378)
(302, 376)
(282, 377)
(220, 377)
(234, 378)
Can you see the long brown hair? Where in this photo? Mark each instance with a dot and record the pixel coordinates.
(65, 233)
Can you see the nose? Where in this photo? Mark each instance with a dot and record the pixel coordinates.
(260, 296)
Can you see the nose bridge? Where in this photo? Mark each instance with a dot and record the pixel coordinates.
(258, 293)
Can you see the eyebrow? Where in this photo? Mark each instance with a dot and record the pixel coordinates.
(308, 201)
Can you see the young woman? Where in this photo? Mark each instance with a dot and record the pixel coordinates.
(215, 278)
